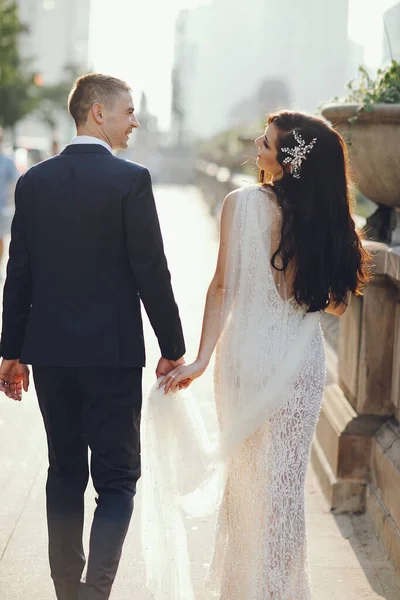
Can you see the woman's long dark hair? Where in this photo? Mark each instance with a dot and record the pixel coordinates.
(318, 232)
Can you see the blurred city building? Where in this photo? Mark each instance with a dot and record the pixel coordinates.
(235, 61)
(169, 161)
(355, 58)
(145, 141)
(270, 95)
(391, 40)
(58, 37)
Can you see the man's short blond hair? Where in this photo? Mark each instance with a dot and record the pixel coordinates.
(90, 89)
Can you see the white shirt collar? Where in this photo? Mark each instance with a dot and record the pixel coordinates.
(89, 139)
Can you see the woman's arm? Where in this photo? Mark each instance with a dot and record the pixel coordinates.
(338, 309)
(211, 329)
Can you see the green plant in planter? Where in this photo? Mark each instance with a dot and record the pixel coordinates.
(384, 89)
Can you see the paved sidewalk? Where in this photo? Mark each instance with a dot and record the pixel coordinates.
(347, 562)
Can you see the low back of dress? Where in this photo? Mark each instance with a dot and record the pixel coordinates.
(262, 322)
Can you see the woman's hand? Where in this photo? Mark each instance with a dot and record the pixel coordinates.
(338, 309)
(182, 376)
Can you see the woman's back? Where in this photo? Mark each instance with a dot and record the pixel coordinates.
(266, 333)
(254, 239)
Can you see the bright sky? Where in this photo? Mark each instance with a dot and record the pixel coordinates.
(366, 26)
(133, 40)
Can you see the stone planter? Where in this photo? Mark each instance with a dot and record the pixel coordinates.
(374, 149)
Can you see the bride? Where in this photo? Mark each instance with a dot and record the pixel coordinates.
(288, 250)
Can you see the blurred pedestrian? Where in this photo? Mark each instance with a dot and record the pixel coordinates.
(8, 177)
(55, 147)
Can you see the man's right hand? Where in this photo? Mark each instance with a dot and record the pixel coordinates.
(14, 377)
(164, 366)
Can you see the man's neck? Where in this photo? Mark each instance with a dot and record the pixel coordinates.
(83, 138)
(85, 130)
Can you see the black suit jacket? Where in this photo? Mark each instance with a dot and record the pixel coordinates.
(85, 248)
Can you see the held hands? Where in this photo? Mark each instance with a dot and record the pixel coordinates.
(164, 366)
(182, 376)
(13, 378)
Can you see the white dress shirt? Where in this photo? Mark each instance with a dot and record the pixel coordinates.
(89, 139)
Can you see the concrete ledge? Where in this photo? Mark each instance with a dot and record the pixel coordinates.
(386, 260)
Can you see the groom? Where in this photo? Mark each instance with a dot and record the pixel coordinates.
(86, 248)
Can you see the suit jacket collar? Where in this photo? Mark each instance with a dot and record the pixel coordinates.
(85, 149)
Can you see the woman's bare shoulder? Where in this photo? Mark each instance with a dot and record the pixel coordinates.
(244, 192)
(232, 199)
(230, 202)
(257, 193)
(233, 196)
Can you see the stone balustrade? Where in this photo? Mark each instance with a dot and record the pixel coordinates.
(356, 451)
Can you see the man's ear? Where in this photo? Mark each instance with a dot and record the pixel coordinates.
(97, 112)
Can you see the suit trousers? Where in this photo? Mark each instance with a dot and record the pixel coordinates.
(97, 409)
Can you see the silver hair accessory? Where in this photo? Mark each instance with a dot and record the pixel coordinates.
(298, 154)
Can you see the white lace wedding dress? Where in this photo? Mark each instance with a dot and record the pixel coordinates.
(269, 381)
